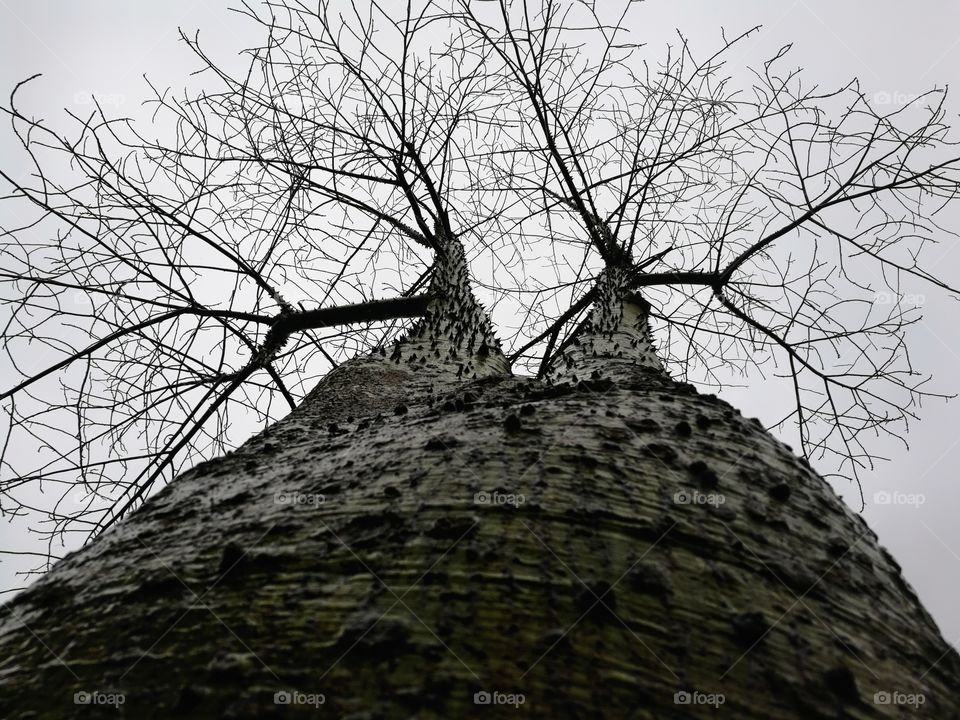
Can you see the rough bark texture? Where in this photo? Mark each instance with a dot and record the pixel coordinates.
(619, 581)
(454, 341)
(615, 330)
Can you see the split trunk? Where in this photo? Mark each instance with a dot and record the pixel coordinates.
(426, 527)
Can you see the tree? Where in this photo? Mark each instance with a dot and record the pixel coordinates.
(551, 513)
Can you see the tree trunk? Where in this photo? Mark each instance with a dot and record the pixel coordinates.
(426, 527)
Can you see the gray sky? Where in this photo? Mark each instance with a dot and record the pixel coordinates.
(897, 50)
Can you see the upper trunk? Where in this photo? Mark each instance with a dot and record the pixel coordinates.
(597, 546)
(615, 336)
(454, 340)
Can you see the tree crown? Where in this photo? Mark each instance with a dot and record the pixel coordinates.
(373, 172)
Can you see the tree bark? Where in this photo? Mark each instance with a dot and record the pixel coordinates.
(425, 527)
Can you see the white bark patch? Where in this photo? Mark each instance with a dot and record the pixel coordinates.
(615, 333)
(455, 339)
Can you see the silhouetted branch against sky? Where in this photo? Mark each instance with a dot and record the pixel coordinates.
(192, 278)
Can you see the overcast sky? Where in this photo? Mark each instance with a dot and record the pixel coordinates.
(897, 50)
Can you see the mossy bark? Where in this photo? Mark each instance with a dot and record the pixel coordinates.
(412, 535)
